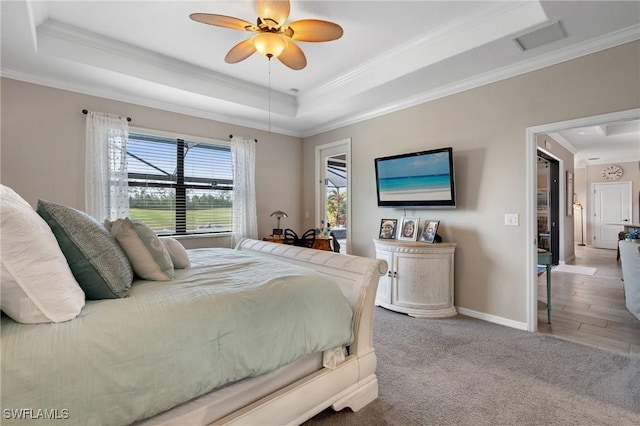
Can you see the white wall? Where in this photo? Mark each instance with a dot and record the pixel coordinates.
(486, 127)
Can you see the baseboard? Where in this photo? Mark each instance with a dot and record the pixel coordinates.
(493, 318)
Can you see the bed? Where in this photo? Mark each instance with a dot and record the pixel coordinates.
(261, 334)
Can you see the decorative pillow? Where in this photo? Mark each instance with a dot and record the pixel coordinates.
(178, 253)
(148, 256)
(37, 284)
(97, 261)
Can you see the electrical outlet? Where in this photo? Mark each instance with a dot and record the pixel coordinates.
(511, 219)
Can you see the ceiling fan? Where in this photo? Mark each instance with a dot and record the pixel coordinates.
(274, 38)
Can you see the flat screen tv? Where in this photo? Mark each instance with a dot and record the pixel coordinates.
(417, 179)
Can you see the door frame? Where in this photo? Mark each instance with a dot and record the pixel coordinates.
(531, 251)
(340, 147)
(557, 201)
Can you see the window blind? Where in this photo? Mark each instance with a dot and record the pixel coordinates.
(177, 186)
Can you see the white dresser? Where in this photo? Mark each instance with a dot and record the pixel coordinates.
(419, 281)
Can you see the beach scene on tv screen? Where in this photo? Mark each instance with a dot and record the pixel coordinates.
(415, 178)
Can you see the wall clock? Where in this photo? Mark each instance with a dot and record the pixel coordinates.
(612, 173)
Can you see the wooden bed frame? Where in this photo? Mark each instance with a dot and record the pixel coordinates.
(353, 383)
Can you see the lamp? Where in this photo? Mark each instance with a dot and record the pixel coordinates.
(579, 206)
(278, 215)
(269, 45)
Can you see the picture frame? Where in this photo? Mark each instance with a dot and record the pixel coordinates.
(388, 229)
(408, 228)
(429, 231)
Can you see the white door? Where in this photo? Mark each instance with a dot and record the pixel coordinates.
(333, 163)
(611, 207)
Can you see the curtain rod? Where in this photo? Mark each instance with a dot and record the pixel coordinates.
(230, 136)
(85, 112)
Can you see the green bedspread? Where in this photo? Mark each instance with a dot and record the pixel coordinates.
(229, 317)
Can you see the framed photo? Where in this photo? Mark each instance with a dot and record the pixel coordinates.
(429, 231)
(408, 228)
(388, 229)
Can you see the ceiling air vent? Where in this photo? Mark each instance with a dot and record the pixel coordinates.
(540, 37)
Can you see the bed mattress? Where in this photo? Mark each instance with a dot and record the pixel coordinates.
(229, 317)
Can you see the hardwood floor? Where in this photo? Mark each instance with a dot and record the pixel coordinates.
(590, 309)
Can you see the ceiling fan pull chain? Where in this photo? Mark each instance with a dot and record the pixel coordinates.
(269, 94)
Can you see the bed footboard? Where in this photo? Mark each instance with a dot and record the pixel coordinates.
(353, 383)
(357, 276)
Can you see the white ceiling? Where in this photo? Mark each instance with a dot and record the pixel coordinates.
(614, 142)
(393, 54)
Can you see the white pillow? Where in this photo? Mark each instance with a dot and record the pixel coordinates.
(178, 253)
(149, 258)
(37, 283)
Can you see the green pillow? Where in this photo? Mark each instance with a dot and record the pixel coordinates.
(96, 260)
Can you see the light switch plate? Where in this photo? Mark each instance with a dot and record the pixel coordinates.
(511, 219)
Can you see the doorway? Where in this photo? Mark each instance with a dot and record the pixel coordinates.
(548, 205)
(531, 200)
(332, 195)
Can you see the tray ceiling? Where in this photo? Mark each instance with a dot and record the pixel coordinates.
(393, 54)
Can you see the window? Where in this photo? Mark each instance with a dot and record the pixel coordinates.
(177, 186)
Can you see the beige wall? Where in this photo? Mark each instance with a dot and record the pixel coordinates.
(43, 157)
(43, 132)
(486, 127)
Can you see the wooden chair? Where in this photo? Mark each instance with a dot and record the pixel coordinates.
(290, 237)
(307, 239)
(621, 236)
(334, 242)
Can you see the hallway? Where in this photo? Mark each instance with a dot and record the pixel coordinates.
(590, 309)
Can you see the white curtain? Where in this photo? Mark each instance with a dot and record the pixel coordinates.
(106, 188)
(245, 220)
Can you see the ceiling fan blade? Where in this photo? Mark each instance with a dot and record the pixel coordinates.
(293, 57)
(315, 30)
(223, 21)
(240, 52)
(276, 10)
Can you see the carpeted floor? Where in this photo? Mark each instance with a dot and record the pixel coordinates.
(462, 371)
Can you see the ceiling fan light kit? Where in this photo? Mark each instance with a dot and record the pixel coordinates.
(269, 45)
(274, 39)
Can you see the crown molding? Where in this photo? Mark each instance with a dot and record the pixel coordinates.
(502, 20)
(114, 95)
(617, 38)
(195, 76)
